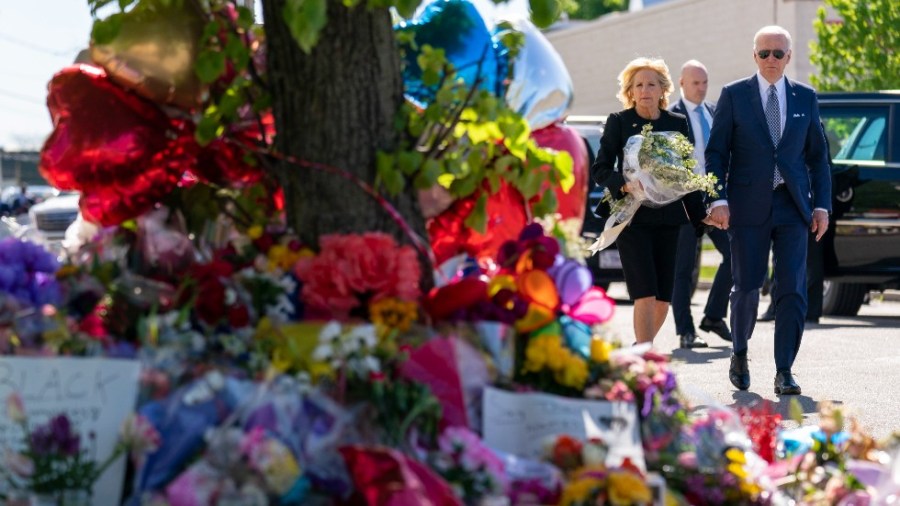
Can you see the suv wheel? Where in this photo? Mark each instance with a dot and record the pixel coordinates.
(843, 299)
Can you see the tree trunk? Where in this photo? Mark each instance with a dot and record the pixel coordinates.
(337, 106)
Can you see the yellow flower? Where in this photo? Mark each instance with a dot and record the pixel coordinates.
(600, 350)
(626, 487)
(500, 282)
(393, 313)
(574, 374)
(255, 232)
(736, 455)
(580, 490)
(535, 354)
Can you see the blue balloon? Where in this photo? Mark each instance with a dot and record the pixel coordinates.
(577, 336)
(541, 89)
(458, 28)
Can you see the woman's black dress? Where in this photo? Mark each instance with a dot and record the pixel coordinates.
(647, 246)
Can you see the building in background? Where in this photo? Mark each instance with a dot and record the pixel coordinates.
(17, 167)
(717, 32)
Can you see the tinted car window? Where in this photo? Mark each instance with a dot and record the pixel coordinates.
(856, 133)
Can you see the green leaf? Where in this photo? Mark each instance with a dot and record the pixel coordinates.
(408, 161)
(388, 174)
(546, 205)
(406, 8)
(211, 30)
(210, 65)
(237, 52)
(305, 19)
(530, 183)
(477, 219)
(245, 17)
(229, 103)
(543, 12)
(208, 129)
(106, 30)
(564, 164)
(429, 174)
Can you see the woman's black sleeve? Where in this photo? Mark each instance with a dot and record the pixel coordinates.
(604, 170)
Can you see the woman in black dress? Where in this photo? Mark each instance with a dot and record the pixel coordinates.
(646, 246)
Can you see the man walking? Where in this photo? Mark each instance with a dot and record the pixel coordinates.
(768, 150)
(694, 81)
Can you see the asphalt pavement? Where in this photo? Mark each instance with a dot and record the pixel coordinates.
(851, 361)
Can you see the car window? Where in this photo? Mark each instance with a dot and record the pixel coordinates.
(856, 133)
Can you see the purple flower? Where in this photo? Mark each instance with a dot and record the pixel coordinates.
(27, 272)
(55, 438)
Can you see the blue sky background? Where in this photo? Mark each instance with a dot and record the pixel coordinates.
(40, 37)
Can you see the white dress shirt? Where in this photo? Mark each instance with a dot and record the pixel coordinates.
(780, 90)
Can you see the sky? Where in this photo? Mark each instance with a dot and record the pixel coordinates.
(40, 37)
(37, 39)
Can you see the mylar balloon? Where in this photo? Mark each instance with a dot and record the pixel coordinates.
(505, 219)
(537, 287)
(593, 307)
(110, 144)
(541, 89)
(457, 27)
(572, 281)
(571, 204)
(155, 50)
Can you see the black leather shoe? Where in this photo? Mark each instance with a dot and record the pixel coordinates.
(739, 373)
(768, 316)
(812, 321)
(785, 384)
(717, 327)
(690, 340)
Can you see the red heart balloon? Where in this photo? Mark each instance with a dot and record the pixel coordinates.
(565, 138)
(110, 144)
(505, 219)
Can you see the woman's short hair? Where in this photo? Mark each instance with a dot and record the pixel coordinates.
(626, 79)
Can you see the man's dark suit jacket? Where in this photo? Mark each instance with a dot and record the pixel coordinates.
(741, 153)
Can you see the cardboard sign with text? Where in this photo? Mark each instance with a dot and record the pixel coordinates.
(521, 423)
(97, 394)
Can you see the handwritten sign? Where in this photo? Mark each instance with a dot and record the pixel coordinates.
(521, 423)
(96, 394)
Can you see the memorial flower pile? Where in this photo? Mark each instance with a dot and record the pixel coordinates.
(54, 459)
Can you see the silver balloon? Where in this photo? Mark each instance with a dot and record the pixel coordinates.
(541, 88)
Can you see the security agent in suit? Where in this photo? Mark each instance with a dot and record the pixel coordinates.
(768, 150)
(694, 81)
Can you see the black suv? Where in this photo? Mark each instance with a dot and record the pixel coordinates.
(605, 266)
(862, 247)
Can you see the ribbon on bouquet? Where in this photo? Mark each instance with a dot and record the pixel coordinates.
(610, 230)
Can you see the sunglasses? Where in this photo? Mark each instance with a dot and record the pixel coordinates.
(764, 53)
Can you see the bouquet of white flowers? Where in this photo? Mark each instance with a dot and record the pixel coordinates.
(663, 163)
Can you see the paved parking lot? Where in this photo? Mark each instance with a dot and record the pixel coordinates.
(853, 361)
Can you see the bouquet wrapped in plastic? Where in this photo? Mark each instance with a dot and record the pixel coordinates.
(663, 163)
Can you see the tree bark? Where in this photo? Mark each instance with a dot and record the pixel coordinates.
(337, 106)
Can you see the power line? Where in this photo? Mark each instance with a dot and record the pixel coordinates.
(35, 47)
(23, 98)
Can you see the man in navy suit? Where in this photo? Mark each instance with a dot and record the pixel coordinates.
(693, 82)
(768, 150)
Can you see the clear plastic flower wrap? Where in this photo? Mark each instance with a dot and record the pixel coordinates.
(662, 164)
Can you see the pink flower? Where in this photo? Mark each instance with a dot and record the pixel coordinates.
(620, 392)
(352, 266)
(139, 435)
(19, 464)
(15, 409)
